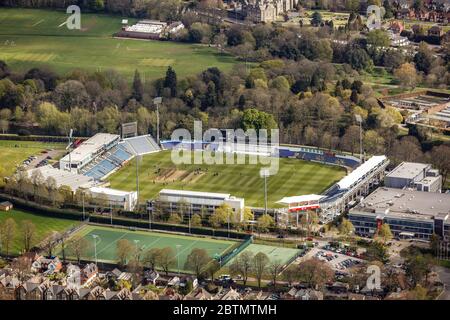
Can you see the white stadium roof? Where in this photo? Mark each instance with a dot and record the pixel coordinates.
(188, 193)
(111, 192)
(90, 146)
(349, 180)
(295, 199)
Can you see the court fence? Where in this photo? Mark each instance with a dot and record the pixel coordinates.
(234, 251)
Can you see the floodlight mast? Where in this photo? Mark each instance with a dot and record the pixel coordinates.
(265, 174)
(157, 101)
(359, 120)
(69, 147)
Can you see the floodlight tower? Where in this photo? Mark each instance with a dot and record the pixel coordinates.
(157, 101)
(359, 120)
(265, 173)
(69, 147)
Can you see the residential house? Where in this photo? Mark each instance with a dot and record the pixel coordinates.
(88, 273)
(98, 293)
(47, 265)
(199, 294)
(435, 31)
(151, 276)
(6, 206)
(170, 294)
(405, 13)
(396, 27)
(228, 294)
(303, 294)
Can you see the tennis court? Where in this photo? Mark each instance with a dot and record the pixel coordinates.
(182, 245)
(282, 255)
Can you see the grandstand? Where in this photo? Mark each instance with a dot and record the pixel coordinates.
(107, 163)
(334, 201)
(140, 145)
(304, 153)
(113, 159)
(358, 183)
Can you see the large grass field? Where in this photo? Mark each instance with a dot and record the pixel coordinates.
(35, 38)
(108, 237)
(295, 177)
(14, 152)
(45, 226)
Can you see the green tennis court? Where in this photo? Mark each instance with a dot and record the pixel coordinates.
(282, 255)
(108, 237)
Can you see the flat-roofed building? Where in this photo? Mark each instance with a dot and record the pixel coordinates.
(64, 178)
(409, 213)
(197, 201)
(417, 176)
(125, 200)
(87, 151)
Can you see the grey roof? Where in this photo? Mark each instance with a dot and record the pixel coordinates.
(408, 170)
(405, 203)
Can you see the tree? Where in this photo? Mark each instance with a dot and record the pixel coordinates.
(255, 119)
(138, 88)
(378, 38)
(124, 249)
(440, 158)
(175, 218)
(424, 58)
(350, 140)
(407, 76)
(212, 267)
(264, 223)
(385, 232)
(50, 242)
(152, 257)
(418, 293)
(274, 269)
(290, 275)
(166, 259)
(242, 265)
(418, 267)
(8, 234)
(221, 216)
(260, 263)
(316, 19)
(78, 246)
(28, 233)
(197, 261)
(315, 273)
(346, 227)
(196, 220)
(170, 81)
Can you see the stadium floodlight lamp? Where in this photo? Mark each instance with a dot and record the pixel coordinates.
(358, 118)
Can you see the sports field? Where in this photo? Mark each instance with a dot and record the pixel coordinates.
(295, 177)
(36, 38)
(108, 237)
(14, 152)
(45, 226)
(275, 254)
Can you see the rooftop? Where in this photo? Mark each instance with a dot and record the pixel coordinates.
(405, 203)
(296, 199)
(349, 180)
(408, 170)
(64, 178)
(90, 146)
(187, 193)
(109, 191)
